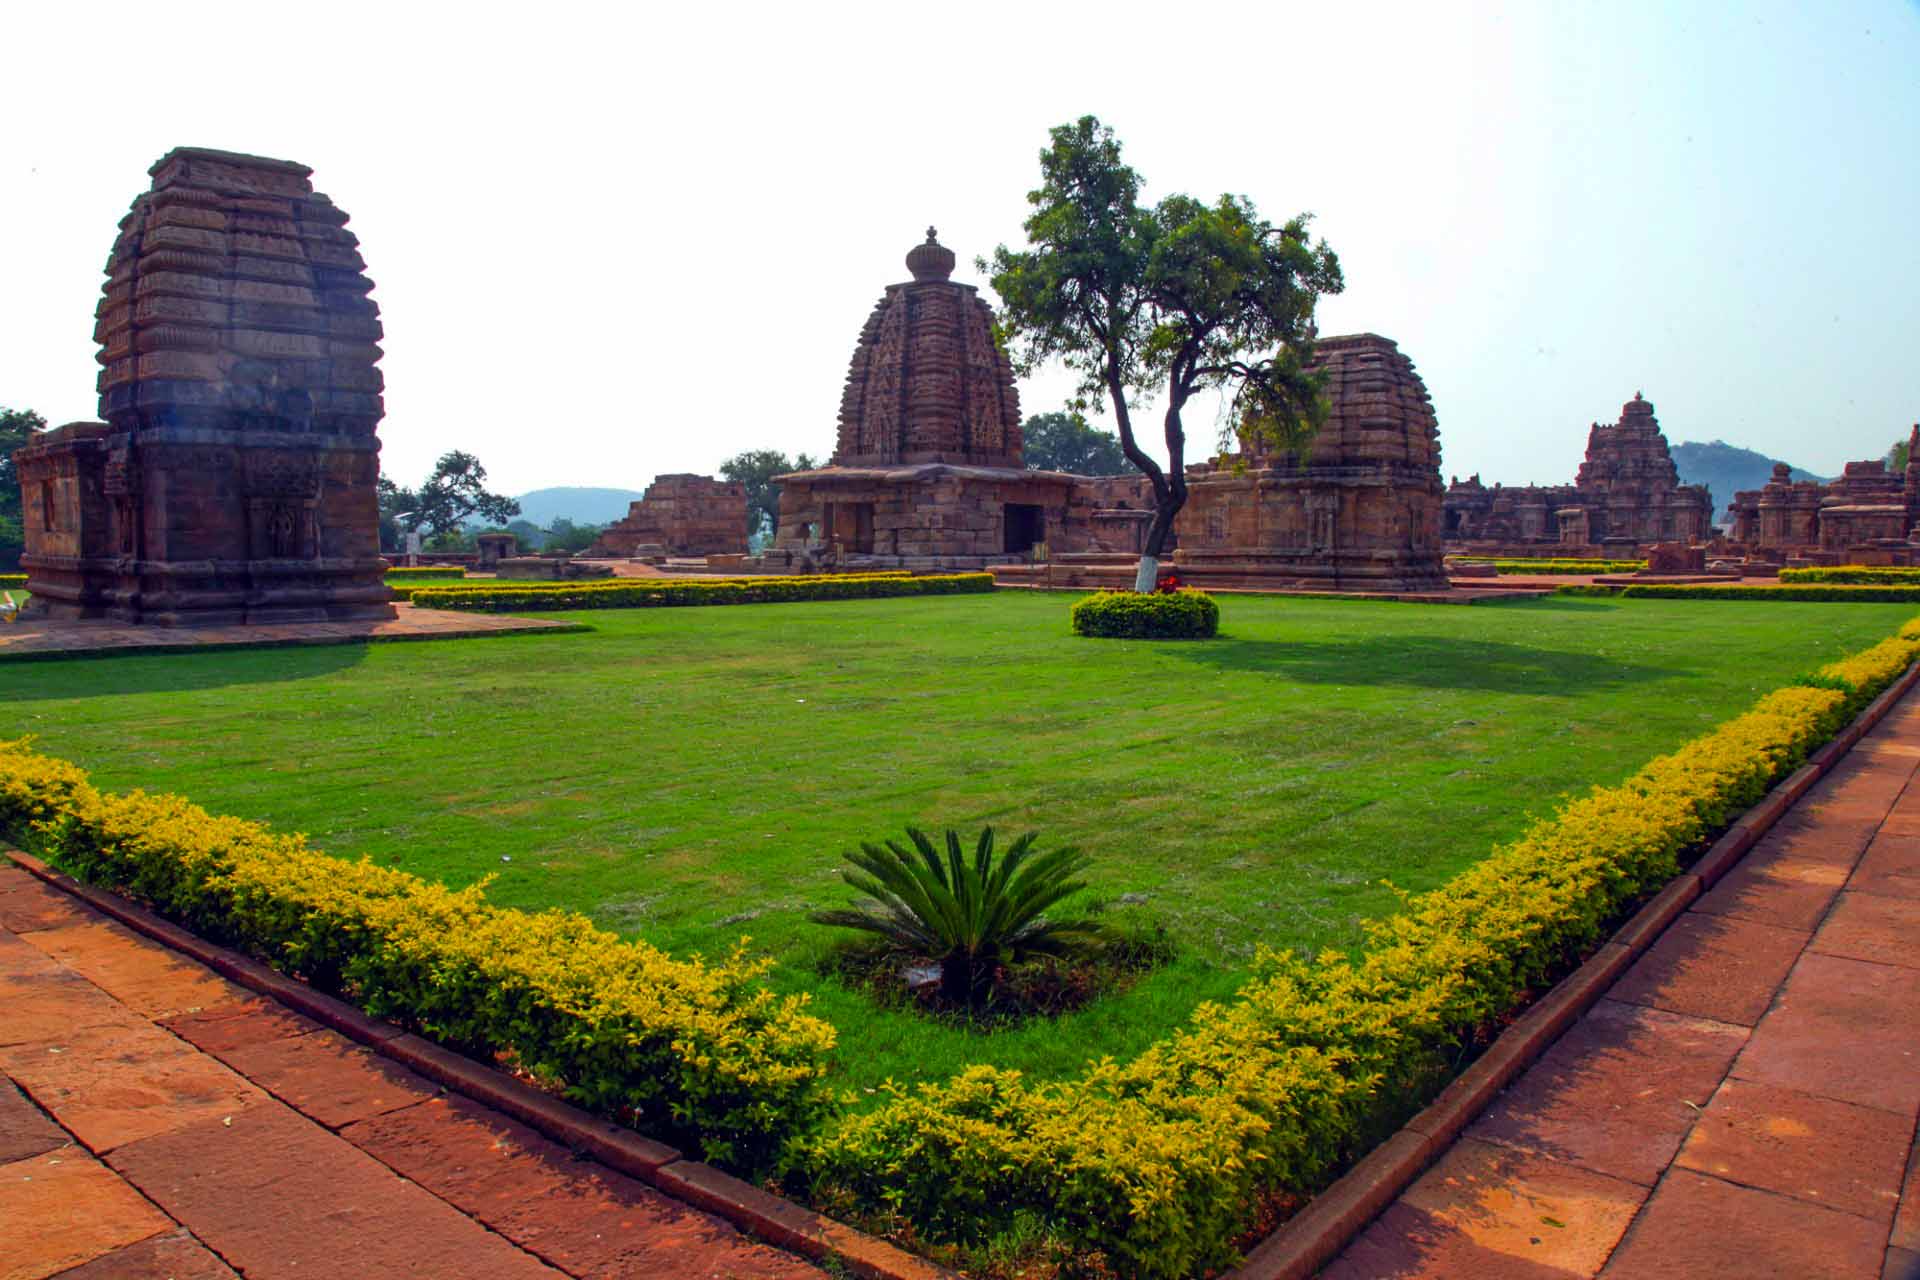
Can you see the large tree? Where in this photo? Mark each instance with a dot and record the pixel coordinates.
(17, 427)
(455, 493)
(1065, 442)
(1171, 300)
(756, 469)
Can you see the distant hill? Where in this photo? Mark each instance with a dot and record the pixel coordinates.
(578, 504)
(1726, 469)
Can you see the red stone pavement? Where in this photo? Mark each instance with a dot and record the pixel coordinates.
(1741, 1104)
(158, 1120)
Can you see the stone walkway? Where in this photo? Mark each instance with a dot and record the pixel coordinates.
(1743, 1101)
(70, 639)
(158, 1120)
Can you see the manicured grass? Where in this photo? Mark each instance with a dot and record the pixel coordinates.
(693, 775)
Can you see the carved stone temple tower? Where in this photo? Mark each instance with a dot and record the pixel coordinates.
(233, 477)
(927, 472)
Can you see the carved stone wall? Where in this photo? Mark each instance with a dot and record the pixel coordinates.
(685, 515)
(1359, 510)
(1627, 485)
(233, 477)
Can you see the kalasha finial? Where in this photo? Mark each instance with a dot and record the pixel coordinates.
(1638, 396)
(932, 260)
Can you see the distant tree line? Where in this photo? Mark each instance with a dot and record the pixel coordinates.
(17, 427)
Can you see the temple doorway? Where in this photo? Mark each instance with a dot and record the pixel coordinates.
(1026, 527)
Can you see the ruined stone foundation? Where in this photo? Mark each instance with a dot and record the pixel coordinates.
(233, 477)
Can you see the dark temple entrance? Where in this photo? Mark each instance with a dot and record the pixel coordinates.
(1026, 527)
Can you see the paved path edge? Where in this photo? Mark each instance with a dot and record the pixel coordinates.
(1317, 1234)
(779, 1222)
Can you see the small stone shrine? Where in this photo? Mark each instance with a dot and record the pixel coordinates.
(1358, 509)
(927, 473)
(1869, 515)
(233, 479)
(680, 515)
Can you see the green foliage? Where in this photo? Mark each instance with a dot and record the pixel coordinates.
(1182, 297)
(685, 1049)
(1158, 1162)
(565, 535)
(13, 579)
(972, 918)
(755, 470)
(1787, 593)
(1897, 456)
(1854, 575)
(1548, 564)
(1147, 615)
(17, 427)
(647, 593)
(455, 493)
(1064, 442)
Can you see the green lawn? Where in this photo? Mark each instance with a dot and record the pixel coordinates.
(692, 775)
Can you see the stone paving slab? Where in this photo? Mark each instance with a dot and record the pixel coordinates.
(157, 1120)
(44, 639)
(1744, 1101)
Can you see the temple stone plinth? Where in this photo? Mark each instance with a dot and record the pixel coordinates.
(233, 477)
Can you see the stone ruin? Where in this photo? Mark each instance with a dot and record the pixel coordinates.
(1358, 509)
(680, 515)
(1627, 496)
(233, 477)
(927, 472)
(1869, 515)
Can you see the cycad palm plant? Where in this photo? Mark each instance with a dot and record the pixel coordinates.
(971, 917)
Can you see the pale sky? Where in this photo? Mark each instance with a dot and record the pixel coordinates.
(611, 243)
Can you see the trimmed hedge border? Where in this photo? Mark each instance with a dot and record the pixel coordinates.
(1160, 1162)
(10, 580)
(1798, 593)
(1147, 615)
(648, 593)
(1550, 565)
(679, 1049)
(1854, 574)
(428, 572)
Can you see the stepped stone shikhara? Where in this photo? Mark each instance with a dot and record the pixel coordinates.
(927, 472)
(681, 515)
(1358, 509)
(233, 477)
(1627, 495)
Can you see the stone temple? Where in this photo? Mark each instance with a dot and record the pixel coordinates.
(1358, 509)
(680, 515)
(233, 477)
(1626, 496)
(927, 472)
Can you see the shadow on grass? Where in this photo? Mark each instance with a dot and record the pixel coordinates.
(113, 674)
(1550, 604)
(1425, 662)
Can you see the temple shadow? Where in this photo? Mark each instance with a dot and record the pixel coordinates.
(94, 675)
(1424, 662)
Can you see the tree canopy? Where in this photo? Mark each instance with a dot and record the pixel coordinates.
(17, 426)
(455, 493)
(1063, 441)
(755, 469)
(1173, 299)
(1897, 456)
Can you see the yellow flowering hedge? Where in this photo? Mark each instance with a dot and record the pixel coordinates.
(686, 1050)
(1159, 1162)
(630, 593)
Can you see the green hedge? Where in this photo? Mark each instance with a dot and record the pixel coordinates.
(1160, 1163)
(1552, 566)
(10, 580)
(1790, 592)
(1149, 615)
(688, 1050)
(428, 571)
(1856, 574)
(649, 593)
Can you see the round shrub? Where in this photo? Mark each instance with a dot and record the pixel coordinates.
(1153, 615)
